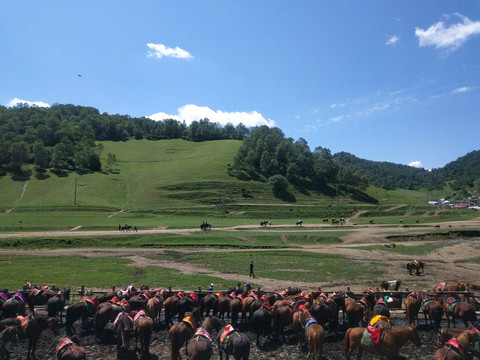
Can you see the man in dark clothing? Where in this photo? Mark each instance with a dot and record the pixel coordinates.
(251, 270)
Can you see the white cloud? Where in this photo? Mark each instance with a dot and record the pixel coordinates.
(449, 37)
(17, 101)
(190, 113)
(333, 106)
(392, 40)
(159, 50)
(462, 90)
(416, 164)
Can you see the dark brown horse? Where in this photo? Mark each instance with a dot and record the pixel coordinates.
(393, 340)
(40, 297)
(235, 344)
(69, 349)
(33, 327)
(456, 348)
(81, 310)
(282, 317)
(434, 310)
(123, 327)
(13, 307)
(56, 304)
(207, 303)
(6, 335)
(413, 304)
(106, 312)
(459, 310)
(154, 308)
(416, 266)
(222, 306)
(181, 332)
(200, 347)
(262, 322)
(143, 328)
(170, 308)
(359, 311)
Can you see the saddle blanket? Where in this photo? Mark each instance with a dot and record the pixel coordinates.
(138, 316)
(19, 296)
(229, 329)
(189, 320)
(372, 336)
(24, 321)
(65, 343)
(121, 314)
(377, 318)
(455, 345)
(3, 296)
(451, 303)
(204, 333)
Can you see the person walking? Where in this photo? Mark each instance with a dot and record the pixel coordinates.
(251, 270)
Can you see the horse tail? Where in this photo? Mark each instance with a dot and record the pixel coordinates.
(347, 342)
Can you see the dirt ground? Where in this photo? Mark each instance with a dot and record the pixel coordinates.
(449, 263)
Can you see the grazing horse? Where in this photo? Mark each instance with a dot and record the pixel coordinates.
(123, 327)
(416, 266)
(201, 347)
(181, 332)
(143, 328)
(413, 303)
(69, 349)
(232, 342)
(434, 310)
(459, 310)
(456, 348)
(154, 308)
(314, 333)
(262, 321)
(299, 223)
(33, 327)
(282, 316)
(393, 340)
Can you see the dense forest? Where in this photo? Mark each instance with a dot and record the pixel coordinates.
(64, 138)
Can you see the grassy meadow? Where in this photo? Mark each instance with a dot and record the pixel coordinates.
(175, 184)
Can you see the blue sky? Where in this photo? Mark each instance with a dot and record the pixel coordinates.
(394, 81)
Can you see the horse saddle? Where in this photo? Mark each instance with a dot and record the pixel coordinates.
(188, 320)
(64, 345)
(24, 321)
(372, 336)
(227, 332)
(203, 333)
(455, 345)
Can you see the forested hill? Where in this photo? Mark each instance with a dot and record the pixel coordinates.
(462, 174)
(64, 138)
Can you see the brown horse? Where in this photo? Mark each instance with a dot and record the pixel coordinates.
(223, 307)
(40, 297)
(181, 332)
(143, 328)
(236, 307)
(455, 286)
(33, 327)
(460, 310)
(170, 308)
(105, 313)
(13, 307)
(6, 335)
(207, 303)
(201, 347)
(393, 340)
(434, 310)
(235, 344)
(81, 310)
(123, 327)
(69, 349)
(359, 311)
(416, 266)
(457, 348)
(282, 317)
(413, 304)
(314, 333)
(247, 303)
(154, 308)
(262, 321)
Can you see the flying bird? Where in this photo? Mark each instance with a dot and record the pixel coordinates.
(79, 75)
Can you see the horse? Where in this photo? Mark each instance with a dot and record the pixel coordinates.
(154, 308)
(205, 226)
(416, 266)
(6, 335)
(236, 306)
(314, 333)
(443, 286)
(143, 328)
(222, 306)
(186, 304)
(359, 311)
(181, 332)
(393, 340)
(413, 304)
(55, 305)
(381, 308)
(434, 310)
(40, 297)
(207, 303)
(81, 310)
(232, 342)
(69, 349)
(201, 347)
(299, 223)
(170, 308)
(33, 327)
(106, 312)
(456, 348)
(13, 307)
(459, 310)
(392, 285)
(322, 312)
(247, 303)
(262, 321)
(264, 223)
(123, 327)
(282, 316)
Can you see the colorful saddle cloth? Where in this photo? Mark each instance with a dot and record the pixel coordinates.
(450, 304)
(120, 315)
(203, 333)
(226, 334)
(192, 327)
(19, 296)
(378, 318)
(64, 345)
(138, 316)
(372, 336)
(455, 345)
(24, 321)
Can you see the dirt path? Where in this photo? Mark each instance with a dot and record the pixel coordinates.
(446, 263)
